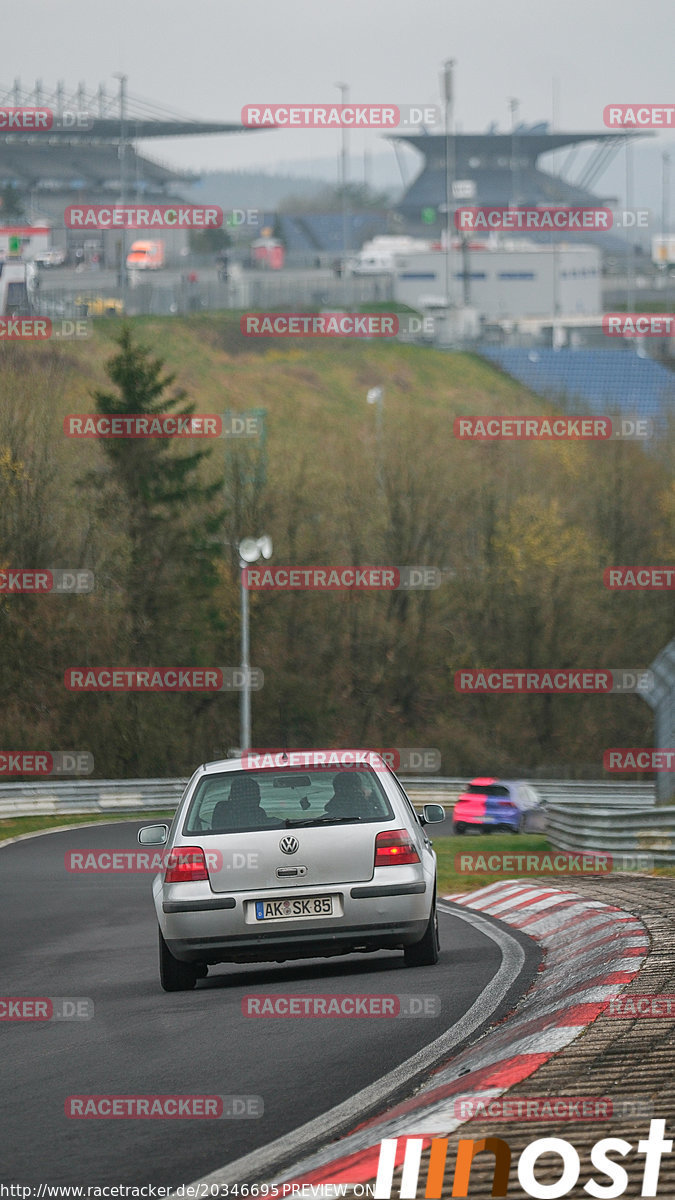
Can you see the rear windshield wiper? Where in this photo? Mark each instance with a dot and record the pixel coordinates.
(322, 821)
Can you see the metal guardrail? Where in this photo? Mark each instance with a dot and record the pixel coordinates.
(69, 796)
(89, 796)
(578, 791)
(636, 831)
(602, 815)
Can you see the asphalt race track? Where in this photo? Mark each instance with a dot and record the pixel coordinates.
(94, 935)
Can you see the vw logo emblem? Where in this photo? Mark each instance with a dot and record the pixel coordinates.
(289, 845)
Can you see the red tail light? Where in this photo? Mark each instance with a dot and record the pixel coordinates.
(186, 864)
(393, 848)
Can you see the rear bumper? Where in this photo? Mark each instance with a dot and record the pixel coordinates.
(218, 928)
(366, 892)
(278, 946)
(488, 819)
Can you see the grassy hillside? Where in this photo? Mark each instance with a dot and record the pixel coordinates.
(521, 531)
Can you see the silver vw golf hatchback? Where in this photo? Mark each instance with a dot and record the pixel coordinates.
(284, 863)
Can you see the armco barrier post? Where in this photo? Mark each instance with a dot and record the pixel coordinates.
(661, 697)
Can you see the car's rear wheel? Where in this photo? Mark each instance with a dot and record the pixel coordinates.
(459, 827)
(425, 953)
(175, 976)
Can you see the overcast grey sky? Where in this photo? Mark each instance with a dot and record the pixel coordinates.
(208, 58)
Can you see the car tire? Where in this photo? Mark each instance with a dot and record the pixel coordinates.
(459, 828)
(175, 976)
(519, 826)
(425, 952)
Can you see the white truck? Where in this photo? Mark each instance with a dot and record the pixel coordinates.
(377, 257)
(55, 257)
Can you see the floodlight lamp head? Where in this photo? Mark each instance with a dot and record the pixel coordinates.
(250, 549)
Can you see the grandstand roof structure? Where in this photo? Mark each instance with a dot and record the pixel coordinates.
(504, 167)
(64, 157)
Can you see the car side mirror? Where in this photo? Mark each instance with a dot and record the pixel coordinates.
(153, 835)
(431, 813)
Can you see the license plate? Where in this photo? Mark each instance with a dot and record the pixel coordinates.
(297, 906)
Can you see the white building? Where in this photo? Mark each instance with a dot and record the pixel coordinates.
(505, 280)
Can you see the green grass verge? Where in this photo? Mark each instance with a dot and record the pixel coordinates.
(13, 826)
(450, 880)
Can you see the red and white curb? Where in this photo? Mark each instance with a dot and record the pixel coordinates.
(591, 951)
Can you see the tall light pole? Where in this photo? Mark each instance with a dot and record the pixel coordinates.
(376, 396)
(630, 276)
(250, 550)
(344, 95)
(515, 181)
(665, 220)
(123, 181)
(448, 95)
(665, 194)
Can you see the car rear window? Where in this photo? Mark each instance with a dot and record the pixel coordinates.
(488, 789)
(232, 801)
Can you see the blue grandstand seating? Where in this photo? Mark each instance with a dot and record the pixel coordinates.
(597, 381)
(323, 233)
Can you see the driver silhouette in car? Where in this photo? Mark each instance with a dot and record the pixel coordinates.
(243, 809)
(350, 798)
